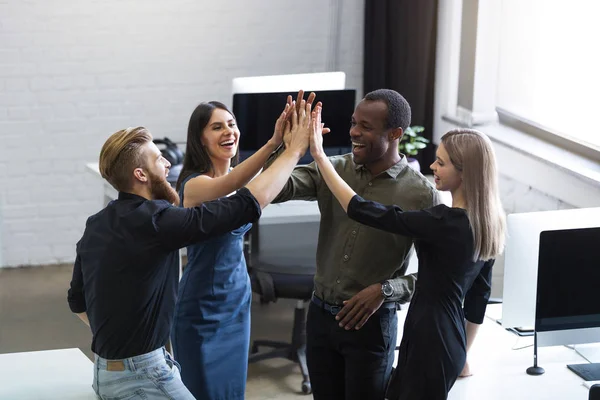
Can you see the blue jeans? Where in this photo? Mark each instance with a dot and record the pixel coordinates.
(153, 375)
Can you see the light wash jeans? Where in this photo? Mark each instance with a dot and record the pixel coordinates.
(153, 375)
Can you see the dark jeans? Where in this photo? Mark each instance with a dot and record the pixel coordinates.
(354, 364)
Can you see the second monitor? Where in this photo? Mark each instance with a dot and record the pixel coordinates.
(256, 114)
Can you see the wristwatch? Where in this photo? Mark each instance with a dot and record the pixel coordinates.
(387, 290)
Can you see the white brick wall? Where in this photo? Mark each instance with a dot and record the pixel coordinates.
(73, 72)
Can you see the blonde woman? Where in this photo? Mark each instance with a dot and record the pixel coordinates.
(456, 248)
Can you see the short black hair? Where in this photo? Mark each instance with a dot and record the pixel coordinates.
(398, 115)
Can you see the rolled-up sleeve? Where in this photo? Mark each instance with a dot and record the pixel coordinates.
(477, 296)
(404, 288)
(76, 295)
(301, 185)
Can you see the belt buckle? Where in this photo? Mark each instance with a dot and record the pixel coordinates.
(115, 365)
(334, 310)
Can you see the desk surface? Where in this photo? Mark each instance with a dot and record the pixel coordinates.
(53, 374)
(285, 213)
(289, 212)
(499, 359)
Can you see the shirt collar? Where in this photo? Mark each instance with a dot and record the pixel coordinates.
(393, 171)
(130, 196)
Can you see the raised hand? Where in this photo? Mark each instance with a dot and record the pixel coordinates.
(287, 129)
(316, 137)
(281, 123)
(298, 105)
(297, 136)
(300, 98)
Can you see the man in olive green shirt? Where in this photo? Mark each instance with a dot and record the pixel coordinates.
(352, 323)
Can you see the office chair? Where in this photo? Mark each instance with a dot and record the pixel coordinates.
(286, 276)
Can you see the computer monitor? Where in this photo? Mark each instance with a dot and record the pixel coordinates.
(289, 82)
(567, 286)
(522, 257)
(256, 114)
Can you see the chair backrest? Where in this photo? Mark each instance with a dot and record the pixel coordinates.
(282, 260)
(288, 247)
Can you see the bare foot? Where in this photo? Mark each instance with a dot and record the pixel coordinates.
(466, 371)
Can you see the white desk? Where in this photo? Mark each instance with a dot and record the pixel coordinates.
(284, 213)
(288, 212)
(53, 374)
(499, 371)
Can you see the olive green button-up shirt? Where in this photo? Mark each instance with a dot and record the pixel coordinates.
(351, 256)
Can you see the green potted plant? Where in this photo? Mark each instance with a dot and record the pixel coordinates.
(411, 143)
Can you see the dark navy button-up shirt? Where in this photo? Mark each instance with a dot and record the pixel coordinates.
(126, 271)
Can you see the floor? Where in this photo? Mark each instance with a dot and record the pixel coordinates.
(34, 315)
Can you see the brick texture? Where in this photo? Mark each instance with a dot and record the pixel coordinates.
(72, 73)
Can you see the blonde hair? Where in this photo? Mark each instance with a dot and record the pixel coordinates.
(471, 152)
(121, 154)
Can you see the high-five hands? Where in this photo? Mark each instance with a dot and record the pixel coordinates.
(297, 131)
(316, 137)
(280, 124)
(298, 105)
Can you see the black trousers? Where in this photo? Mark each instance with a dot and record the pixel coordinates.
(354, 364)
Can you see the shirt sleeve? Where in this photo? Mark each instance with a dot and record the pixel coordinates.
(76, 295)
(404, 287)
(436, 198)
(477, 296)
(302, 184)
(179, 227)
(420, 224)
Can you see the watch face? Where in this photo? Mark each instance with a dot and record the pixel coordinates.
(387, 289)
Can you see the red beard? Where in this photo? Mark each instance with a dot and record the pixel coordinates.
(162, 190)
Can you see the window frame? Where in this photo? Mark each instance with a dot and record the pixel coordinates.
(559, 139)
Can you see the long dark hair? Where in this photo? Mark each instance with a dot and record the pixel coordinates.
(196, 158)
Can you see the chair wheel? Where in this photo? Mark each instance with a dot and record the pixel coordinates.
(306, 388)
(254, 349)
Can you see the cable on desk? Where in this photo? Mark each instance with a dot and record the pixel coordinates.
(522, 347)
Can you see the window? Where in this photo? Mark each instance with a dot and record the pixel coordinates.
(549, 68)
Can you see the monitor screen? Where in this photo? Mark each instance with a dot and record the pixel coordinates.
(568, 280)
(256, 114)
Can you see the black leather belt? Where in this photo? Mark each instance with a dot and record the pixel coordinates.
(334, 309)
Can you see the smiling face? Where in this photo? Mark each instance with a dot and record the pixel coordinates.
(369, 133)
(221, 136)
(446, 176)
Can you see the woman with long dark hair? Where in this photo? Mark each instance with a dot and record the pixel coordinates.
(211, 329)
(456, 248)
